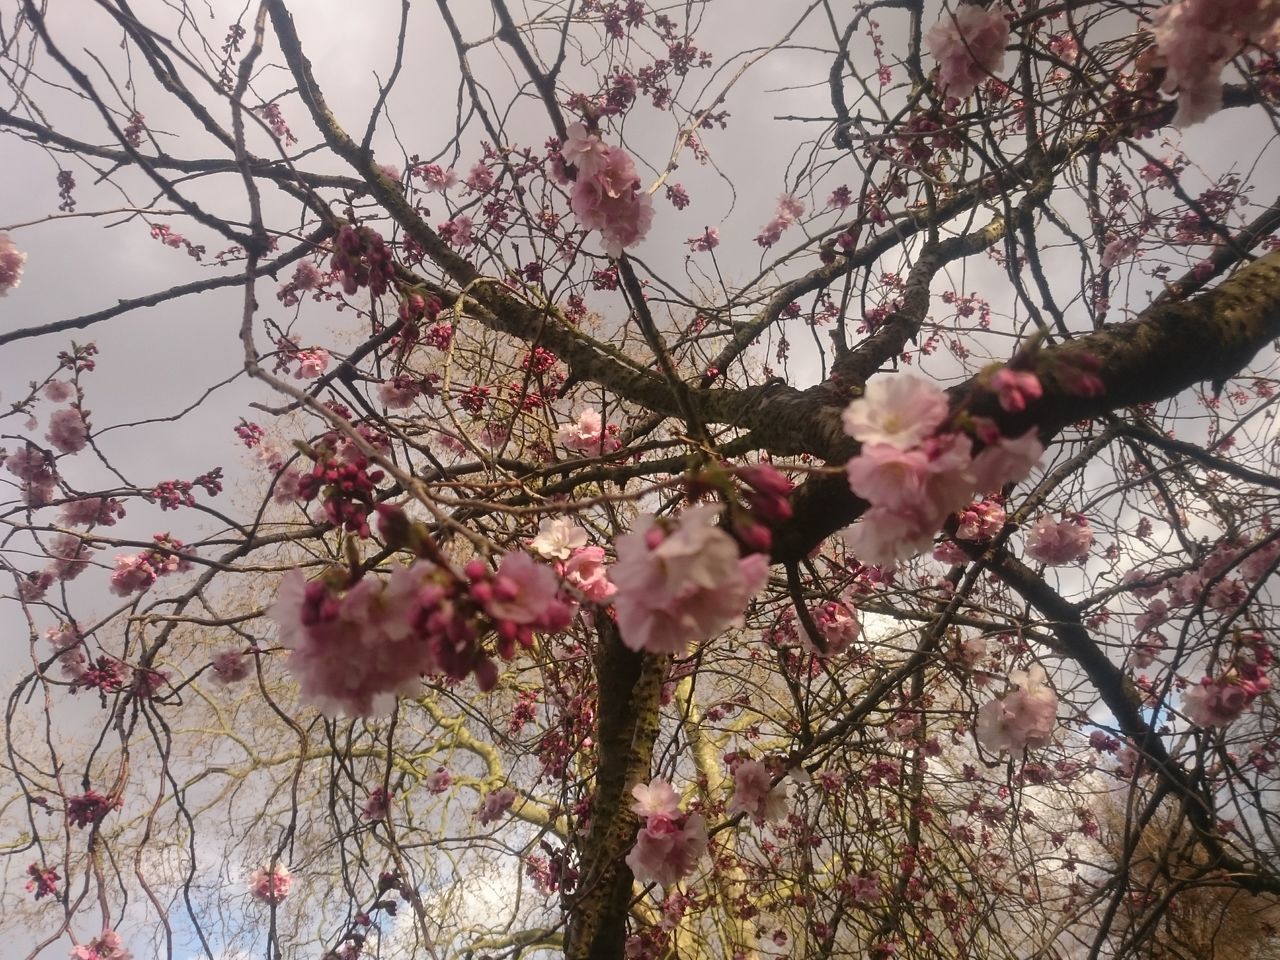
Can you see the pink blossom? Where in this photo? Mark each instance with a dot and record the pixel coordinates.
(70, 556)
(587, 435)
(657, 798)
(606, 195)
(707, 241)
(981, 520)
(133, 574)
(437, 179)
(231, 666)
(1195, 39)
(460, 231)
(59, 391)
(271, 884)
(1118, 250)
(1016, 389)
(438, 780)
(479, 178)
(67, 430)
(311, 363)
(399, 392)
(1058, 543)
(1216, 702)
(557, 538)
(1024, 717)
(1006, 461)
(1261, 562)
(11, 261)
(754, 793)
(107, 946)
(64, 636)
(682, 586)
(899, 411)
(883, 537)
(29, 463)
(495, 805)
(584, 150)
(969, 45)
(668, 849)
(353, 654)
(523, 589)
(839, 626)
(587, 571)
(929, 482)
(789, 210)
(91, 511)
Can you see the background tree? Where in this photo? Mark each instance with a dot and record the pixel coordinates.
(619, 561)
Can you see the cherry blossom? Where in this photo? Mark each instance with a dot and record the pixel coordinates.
(1218, 701)
(1195, 39)
(523, 589)
(1016, 389)
(311, 363)
(67, 430)
(355, 653)
(107, 946)
(59, 391)
(657, 798)
(586, 435)
(438, 780)
(399, 392)
(586, 570)
(969, 44)
(839, 626)
(270, 884)
(11, 261)
(606, 195)
(231, 666)
(558, 538)
(668, 846)
(1007, 460)
(681, 585)
(898, 411)
(1059, 543)
(1024, 717)
(754, 793)
(788, 211)
(495, 805)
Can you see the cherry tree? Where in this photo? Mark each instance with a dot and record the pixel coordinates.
(620, 479)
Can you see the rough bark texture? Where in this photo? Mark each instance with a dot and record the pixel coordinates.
(630, 687)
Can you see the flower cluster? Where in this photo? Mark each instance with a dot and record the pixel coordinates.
(683, 582)
(669, 844)
(135, 573)
(341, 478)
(356, 647)
(913, 472)
(607, 195)
(1024, 717)
(107, 946)
(43, 882)
(270, 884)
(754, 793)
(1058, 543)
(589, 435)
(495, 805)
(788, 211)
(361, 257)
(1195, 39)
(1217, 701)
(11, 261)
(581, 566)
(969, 45)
